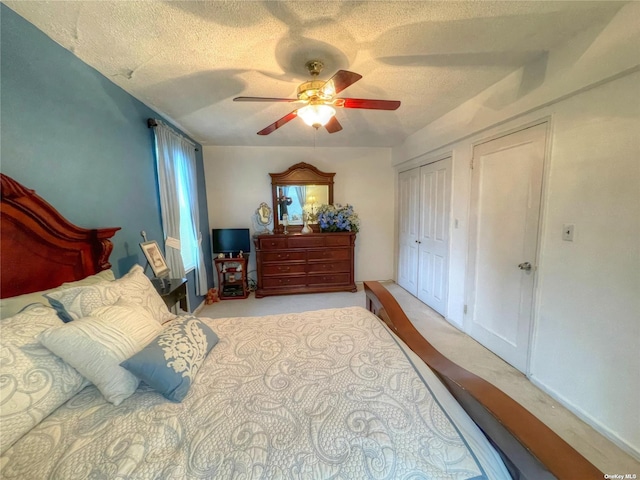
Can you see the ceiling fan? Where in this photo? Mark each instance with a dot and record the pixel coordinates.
(320, 102)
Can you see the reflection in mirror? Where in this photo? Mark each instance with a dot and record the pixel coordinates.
(297, 193)
(298, 200)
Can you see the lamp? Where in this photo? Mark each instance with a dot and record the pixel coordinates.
(311, 200)
(316, 114)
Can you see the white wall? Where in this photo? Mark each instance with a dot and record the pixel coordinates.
(589, 309)
(238, 181)
(587, 319)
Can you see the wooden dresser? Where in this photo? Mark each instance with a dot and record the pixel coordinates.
(311, 263)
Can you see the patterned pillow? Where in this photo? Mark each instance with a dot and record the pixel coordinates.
(105, 275)
(170, 363)
(12, 305)
(75, 303)
(33, 381)
(136, 287)
(96, 345)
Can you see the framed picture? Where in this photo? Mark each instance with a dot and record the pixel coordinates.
(154, 256)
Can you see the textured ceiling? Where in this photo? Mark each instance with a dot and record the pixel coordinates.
(189, 59)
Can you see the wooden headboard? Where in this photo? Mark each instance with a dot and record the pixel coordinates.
(39, 248)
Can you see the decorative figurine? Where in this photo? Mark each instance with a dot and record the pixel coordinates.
(212, 296)
(306, 228)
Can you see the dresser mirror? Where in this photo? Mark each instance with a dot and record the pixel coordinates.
(297, 192)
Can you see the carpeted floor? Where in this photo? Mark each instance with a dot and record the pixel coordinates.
(463, 350)
(256, 307)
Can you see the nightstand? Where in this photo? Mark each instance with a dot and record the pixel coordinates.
(172, 291)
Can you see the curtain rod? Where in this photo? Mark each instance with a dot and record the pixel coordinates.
(153, 122)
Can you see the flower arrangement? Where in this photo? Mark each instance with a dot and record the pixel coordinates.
(337, 218)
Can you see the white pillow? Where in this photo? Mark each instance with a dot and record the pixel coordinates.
(96, 345)
(136, 287)
(12, 305)
(78, 302)
(105, 275)
(33, 381)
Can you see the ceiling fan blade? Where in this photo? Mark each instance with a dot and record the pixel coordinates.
(264, 99)
(333, 125)
(278, 123)
(341, 80)
(367, 104)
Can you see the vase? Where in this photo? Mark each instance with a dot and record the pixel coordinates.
(306, 228)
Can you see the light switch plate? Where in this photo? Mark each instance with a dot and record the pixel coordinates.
(567, 232)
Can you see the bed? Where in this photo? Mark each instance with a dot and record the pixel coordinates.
(338, 393)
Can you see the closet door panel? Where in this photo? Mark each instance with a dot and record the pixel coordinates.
(433, 242)
(408, 223)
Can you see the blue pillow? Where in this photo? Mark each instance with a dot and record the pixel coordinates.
(169, 364)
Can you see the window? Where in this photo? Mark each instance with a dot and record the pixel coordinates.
(179, 205)
(188, 241)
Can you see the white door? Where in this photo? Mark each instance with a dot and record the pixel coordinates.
(505, 211)
(433, 242)
(408, 214)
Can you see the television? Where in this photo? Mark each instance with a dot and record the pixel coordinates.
(230, 240)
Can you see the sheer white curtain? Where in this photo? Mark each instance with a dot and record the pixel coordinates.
(191, 181)
(169, 149)
(301, 190)
(177, 180)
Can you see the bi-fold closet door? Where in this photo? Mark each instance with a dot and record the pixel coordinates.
(424, 211)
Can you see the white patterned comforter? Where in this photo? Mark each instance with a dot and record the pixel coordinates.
(321, 395)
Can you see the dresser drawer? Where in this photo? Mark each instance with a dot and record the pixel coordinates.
(337, 240)
(282, 281)
(283, 268)
(330, 267)
(273, 243)
(283, 256)
(328, 279)
(330, 254)
(305, 241)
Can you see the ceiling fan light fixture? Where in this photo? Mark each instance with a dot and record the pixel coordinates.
(316, 115)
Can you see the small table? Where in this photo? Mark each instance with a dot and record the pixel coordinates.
(172, 291)
(232, 278)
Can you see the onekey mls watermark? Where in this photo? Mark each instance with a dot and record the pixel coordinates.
(620, 476)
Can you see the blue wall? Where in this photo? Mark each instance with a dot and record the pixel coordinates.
(82, 143)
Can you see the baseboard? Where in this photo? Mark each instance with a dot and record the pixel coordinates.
(198, 308)
(588, 419)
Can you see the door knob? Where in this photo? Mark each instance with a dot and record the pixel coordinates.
(525, 266)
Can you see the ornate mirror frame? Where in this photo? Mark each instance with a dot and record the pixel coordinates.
(298, 174)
